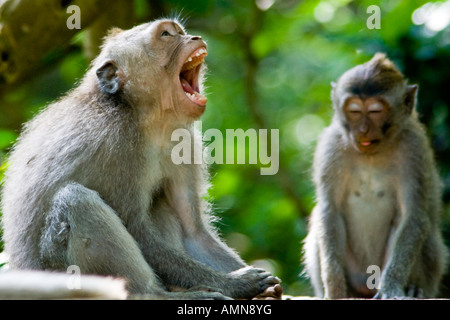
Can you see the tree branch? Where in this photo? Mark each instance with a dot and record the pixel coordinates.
(120, 14)
(252, 63)
(29, 29)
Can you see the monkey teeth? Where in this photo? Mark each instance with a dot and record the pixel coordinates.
(197, 53)
(196, 97)
(189, 76)
(196, 58)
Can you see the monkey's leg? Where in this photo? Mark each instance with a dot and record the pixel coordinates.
(81, 229)
(199, 239)
(203, 245)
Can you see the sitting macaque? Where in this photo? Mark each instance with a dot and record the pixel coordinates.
(378, 193)
(91, 182)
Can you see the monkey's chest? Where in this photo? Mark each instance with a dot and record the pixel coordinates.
(369, 212)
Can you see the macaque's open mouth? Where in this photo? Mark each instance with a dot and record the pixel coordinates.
(189, 76)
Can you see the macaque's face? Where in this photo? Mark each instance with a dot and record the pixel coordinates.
(366, 122)
(181, 56)
(156, 67)
(371, 101)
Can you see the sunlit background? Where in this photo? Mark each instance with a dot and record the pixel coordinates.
(270, 64)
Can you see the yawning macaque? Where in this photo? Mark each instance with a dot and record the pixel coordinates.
(91, 182)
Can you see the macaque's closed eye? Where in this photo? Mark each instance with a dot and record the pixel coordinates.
(354, 107)
(375, 107)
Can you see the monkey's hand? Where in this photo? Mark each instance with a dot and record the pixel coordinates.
(248, 282)
(271, 293)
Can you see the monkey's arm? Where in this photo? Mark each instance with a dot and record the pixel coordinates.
(408, 244)
(413, 229)
(177, 268)
(328, 222)
(331, 243)
(414, 226)
(199, 258)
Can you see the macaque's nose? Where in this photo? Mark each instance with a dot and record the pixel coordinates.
(364, 127)
(196, 38)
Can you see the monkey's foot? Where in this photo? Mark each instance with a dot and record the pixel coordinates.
(248, 282)
(271, 293)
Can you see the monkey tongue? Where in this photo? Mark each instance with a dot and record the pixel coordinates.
(366, 143)
(193, 95)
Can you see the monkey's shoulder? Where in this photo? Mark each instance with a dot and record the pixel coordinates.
(413, 148)
(329, 141)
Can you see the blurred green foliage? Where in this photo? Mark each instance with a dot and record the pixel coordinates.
(270, 64)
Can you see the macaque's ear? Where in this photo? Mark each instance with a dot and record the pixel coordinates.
(108, 77)
(410, 97)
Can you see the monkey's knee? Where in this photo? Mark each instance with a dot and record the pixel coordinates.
(81, 229)
(54, 240)
(76, 226)
(58, 224)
